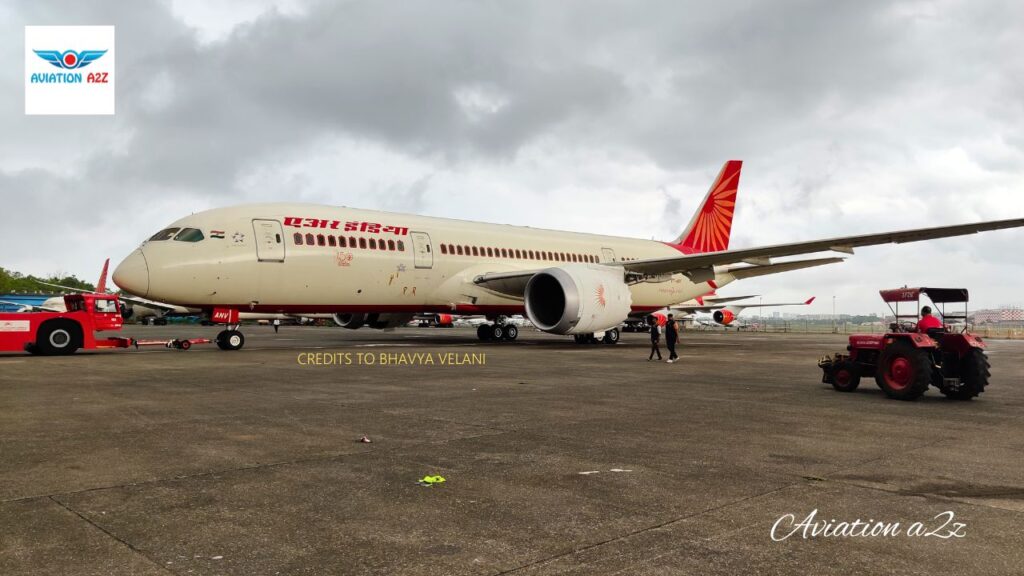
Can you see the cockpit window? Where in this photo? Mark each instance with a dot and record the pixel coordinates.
(165, 234)
(189, 235)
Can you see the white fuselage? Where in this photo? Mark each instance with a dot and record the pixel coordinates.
(288, 258)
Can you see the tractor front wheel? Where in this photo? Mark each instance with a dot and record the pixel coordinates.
(974, 375)
(845, 376)
(904, 372)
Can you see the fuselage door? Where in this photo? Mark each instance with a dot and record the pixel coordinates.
(269, 240)
(422, 252)
(608, 255)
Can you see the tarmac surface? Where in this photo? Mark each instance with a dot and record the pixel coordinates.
(559, 459)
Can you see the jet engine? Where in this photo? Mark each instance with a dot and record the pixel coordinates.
(577, 299)
(374, 320)
(724, 316)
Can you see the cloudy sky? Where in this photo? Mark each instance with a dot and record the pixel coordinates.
(608, 117)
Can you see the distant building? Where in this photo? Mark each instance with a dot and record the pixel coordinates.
(999, 315)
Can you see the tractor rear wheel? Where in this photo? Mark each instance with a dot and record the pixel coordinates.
(845, 376)
(974, 375)
(904, 372)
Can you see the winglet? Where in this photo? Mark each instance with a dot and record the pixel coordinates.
(809, 300)
(711, 225)
(101, 286)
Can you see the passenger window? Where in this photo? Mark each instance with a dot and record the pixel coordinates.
(444, 249)
(401, 246)
(475, 252)
(381, 245)
(320, 240)
(490, 252)
(298, 239)
(460, 250)
(373, 244)
(165, 234)
(341, 241)
(362, 243)
(278, 237)
(331, 241)
(189, 235)
(504, 253)
(309, 240)
(351, 241)
(391, 245)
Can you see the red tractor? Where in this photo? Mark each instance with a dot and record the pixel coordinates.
(905, 361)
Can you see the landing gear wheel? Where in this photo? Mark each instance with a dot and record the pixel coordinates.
(974, 375)
(611, 336)
(484, 332)
(904, 372)
(498, 332)
(845, 376)
(511, 332)
(230, 340)
(185, 345)
(58, 338)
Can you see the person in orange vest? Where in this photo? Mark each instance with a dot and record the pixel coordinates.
(927, 321)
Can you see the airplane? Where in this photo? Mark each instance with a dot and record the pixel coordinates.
(708, 312)
(708, 316)
(380, 268)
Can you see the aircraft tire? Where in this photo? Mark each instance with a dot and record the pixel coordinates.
(484, 333)
(511, 332)
(611, 336)
(498, 332)
(230, 340)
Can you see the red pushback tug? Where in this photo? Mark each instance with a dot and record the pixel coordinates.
(905, 361)
(52, 333)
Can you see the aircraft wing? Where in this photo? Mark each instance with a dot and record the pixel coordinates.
(699, 267)
(31, 307)
(514, 283)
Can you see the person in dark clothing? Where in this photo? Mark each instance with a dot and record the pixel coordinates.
(671, 336)
(655, 338)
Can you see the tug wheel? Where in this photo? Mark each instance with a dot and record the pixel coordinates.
(58, 337)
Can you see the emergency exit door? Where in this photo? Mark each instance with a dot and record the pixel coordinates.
(607, 255)
(269, 240)
(422, 252)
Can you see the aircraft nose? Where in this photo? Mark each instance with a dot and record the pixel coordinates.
(132, 274)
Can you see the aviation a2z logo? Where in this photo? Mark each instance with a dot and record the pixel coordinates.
(71, 60)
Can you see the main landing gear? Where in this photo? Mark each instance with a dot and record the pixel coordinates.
(611, 336)
(497, 332)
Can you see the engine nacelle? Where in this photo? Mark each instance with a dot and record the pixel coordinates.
(375, 320)
(724, 317)
(577, 299)
(350, 321)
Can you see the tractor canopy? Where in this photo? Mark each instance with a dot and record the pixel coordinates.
(936, 295)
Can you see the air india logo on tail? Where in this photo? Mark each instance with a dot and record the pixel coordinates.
(711, 225)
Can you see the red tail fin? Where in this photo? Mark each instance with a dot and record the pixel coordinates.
(711, 225)
(101, 286)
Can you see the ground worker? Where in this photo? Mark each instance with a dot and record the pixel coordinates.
(655, 338)
(277, 324)
(671, 336)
